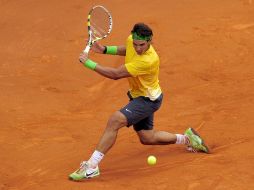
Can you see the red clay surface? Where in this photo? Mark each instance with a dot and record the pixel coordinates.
(53, 110)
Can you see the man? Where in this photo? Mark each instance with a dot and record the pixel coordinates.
(142, 70)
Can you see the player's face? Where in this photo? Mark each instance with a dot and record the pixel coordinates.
(141, 46)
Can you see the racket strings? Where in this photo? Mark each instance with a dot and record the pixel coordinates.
(100, 26)
(100, 23)
(97, 31)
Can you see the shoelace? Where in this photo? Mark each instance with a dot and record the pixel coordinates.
(83, 166)
(190, 149)
(83, 163)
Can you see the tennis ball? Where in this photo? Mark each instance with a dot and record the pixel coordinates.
(151, 160)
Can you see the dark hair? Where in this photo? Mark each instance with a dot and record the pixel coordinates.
(142, 30)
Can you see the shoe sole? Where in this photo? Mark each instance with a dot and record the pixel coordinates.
(73, 179)
(203, 143)
(84, 178)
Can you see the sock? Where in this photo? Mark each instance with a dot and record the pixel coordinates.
(182, 139)
(95, 159)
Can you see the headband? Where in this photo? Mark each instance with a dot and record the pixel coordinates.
(135, 36)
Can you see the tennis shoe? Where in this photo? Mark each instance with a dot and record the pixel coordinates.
(197, 144)
(84, 172)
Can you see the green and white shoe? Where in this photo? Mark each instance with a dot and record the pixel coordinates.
(84, 173)
(196, 142)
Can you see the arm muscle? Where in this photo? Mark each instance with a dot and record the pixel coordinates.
(112, 73)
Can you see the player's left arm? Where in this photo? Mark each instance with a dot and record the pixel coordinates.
(115, 50)
(121, 50)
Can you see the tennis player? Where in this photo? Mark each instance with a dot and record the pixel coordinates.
(141, 68)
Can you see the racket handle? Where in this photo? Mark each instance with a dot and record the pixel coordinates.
(86, 50)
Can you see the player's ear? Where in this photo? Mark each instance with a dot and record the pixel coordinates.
(149, 41)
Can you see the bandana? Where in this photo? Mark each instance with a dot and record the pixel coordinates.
(135, 36)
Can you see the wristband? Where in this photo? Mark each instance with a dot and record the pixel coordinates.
(112, 50)
(105, 50)
(90, 64)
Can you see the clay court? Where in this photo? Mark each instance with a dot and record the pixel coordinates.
(53, 110)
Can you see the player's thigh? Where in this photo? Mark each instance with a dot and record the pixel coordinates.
(146, 123)
(137, 110)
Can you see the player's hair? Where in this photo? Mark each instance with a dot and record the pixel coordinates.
(143, 30)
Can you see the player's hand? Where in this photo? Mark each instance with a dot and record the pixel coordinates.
(97, 47)
(83, 57)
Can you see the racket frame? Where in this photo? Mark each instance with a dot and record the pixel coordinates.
(90, 40)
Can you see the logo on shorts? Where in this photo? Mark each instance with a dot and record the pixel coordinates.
(128, 110)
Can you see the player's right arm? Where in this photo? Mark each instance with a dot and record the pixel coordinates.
(108, 72)
(98, 48)
(112, 73)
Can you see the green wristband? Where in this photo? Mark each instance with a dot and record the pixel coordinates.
(90, 64)
(112, 50)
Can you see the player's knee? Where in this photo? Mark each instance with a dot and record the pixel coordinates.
(146, 137)
(116, 121)
(146, 141)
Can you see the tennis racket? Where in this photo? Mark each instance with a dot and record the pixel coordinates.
(99, 23)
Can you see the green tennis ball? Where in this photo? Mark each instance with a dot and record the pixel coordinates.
(151, 160)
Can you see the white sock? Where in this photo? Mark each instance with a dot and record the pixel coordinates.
(95, 159)
(181, 139)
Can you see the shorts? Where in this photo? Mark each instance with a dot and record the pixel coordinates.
(140, 112)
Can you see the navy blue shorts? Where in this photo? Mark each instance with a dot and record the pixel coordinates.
(140, 112)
